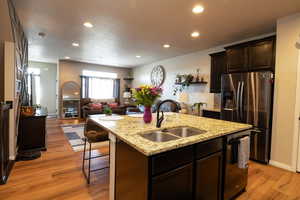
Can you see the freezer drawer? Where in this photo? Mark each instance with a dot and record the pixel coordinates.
(260, 146)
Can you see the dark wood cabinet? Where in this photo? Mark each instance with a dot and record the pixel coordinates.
(261, 55)
(2, 71)
(176, 184)
(218, 67)
(191, 173)
(169, 160)
(237, 59)
(211, 114)
(5, 163)
(208, 184)
(32, 132)
(251, 56)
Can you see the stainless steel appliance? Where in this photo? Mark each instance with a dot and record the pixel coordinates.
(236, 178)
(247, 98)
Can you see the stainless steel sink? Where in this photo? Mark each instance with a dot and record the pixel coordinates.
(185, 131)
(159, 136)
(166, 135)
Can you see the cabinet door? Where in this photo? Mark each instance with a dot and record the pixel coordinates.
(237, 59)
(209, 177)
(261, 56)
(175, 185)
(218, 67)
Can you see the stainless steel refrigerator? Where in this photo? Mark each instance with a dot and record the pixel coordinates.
(248, 98)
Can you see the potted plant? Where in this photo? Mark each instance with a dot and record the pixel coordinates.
(107, 110)
(185, 83)
(197, 107)
(146, 96)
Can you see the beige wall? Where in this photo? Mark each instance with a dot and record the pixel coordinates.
(48, 84)
(5, 25)
(181, 65)
(71, 71)
(286, 104)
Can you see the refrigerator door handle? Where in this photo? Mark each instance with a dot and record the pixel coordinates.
(241, 100)
(238, 100)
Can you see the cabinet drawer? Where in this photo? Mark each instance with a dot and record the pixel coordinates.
(209, 147)
(166, 161)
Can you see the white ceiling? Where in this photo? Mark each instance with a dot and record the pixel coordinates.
(126, 28)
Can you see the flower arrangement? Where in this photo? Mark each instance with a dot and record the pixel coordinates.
(146, 95)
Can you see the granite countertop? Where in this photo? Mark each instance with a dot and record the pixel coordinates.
(128, 129)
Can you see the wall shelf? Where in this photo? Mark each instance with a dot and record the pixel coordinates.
(194, 83)
(128, 79)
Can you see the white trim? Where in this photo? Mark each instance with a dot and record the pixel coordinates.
(112, 165)
(282, 165)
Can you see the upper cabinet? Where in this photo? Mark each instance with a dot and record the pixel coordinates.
(218, 67)
(237, 59)
(262, 55)
(252, 56)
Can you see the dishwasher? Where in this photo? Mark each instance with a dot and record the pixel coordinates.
(236, 177)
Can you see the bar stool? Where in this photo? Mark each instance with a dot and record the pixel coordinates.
(93, 133)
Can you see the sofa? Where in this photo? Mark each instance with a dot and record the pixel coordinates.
(93, 107)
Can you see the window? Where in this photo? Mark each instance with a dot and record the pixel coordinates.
(34, 85)
(101, 88)
(99, 85)
(99, 74)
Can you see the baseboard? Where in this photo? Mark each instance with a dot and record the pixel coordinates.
(282, 165)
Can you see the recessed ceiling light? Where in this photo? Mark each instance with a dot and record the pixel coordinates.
(195, 34)
(88, 24)
(75, 44)
(167, 46)
(138, 56)
(198, 9)
(67, 57)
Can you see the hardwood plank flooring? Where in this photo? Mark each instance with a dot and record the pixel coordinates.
(57, 175)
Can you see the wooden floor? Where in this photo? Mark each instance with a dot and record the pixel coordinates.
(57, 175)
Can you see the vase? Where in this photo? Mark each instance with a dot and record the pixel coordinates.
(147, 114)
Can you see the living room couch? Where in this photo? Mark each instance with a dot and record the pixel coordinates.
(93, 107)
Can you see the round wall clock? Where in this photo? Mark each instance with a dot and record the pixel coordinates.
(158, 76)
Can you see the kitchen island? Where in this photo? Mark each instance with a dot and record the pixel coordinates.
(182, 166)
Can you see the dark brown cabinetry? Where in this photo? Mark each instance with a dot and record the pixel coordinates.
(237, 59)
(261, 55)
(251, 56)
(5, 162)
(211, 114)
(192, 173)
(32, 132)
(1, 71)
(179, 180)
(209, 177)
(218, 67)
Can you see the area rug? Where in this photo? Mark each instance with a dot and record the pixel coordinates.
(75, 136)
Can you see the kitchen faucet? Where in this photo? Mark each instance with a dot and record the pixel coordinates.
(160, 119)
